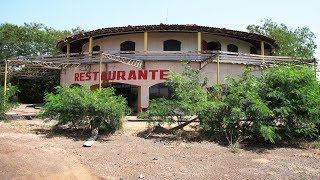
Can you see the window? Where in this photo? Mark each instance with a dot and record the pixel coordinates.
(204, 45)
(128, 46)
(96, 48)
(253, 50)
(172, 45)
(214, 46)
(159, 91)
(232, 48)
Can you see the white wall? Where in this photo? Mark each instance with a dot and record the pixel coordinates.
(68, 76)
(155, 41)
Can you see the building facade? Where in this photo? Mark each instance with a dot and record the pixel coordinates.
(136, 60)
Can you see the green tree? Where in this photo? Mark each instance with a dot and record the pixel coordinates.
(83, 107)
(298, 42)
(30, 39)
(241, 113)
(292, 93)
(188, 98)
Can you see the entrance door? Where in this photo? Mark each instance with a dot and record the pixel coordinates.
(130, 92)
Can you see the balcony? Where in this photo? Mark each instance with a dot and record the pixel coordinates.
(35, 66)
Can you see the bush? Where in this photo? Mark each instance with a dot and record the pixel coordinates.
(281, 105)
(188, 98)
(241, 112)
(8, 101)
(293, 95)
(83, 107)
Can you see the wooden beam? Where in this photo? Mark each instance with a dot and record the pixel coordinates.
(199, 43)
(145, 42)
(262, 50)
(90, 45)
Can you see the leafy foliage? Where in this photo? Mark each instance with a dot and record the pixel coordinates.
(188, 98)
(292, 94)
(241, 112)
(30, 39)
(8, 101)
(299, 42)
(280, 105)
(83, 107)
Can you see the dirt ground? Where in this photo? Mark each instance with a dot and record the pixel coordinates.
(29, 151)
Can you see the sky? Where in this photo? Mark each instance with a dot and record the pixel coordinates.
(95, 14)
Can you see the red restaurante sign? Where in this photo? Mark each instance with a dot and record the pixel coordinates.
(122, 75)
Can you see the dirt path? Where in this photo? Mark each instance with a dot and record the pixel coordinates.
(26, 153)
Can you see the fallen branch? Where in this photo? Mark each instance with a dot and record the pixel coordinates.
(183, 125)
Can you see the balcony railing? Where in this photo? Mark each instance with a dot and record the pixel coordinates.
(29, 64)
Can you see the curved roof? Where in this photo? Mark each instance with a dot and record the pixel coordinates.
(78, 40)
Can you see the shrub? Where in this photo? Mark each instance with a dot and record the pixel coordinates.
(8, 101)
(83, 107)
(293, 95)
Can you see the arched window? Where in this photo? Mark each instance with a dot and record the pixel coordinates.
(128, 46)
(253, 50)
(159, 91)
(96, 48)
(232, 48)
(172, 45)
(214, 46)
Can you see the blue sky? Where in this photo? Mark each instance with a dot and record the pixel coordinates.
(94, 14)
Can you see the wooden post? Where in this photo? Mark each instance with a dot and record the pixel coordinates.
(262, 51)
(5, 78)
(100, 70)
(90, 46)
(218, 69)
(145, 42)
(68, 52)
(199, 42)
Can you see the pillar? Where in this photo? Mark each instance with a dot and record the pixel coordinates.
(262, 50)
(100, 70)
(145, 42)
(144, 98)
(68, 52)
(139, 99)
(90, 45)
(199, 43)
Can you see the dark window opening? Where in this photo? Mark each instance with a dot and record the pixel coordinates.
(253, 50)
(232, 48)
(204, 45)
(214, 46)
(172, 45)
(159, 91)
(96, 48)
(128, 46)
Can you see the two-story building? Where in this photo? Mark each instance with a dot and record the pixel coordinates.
(136, 59)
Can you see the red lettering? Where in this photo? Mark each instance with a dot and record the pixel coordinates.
(120, 75)
(82, 76)
(88, 76)
(113, 76)
(163, 74)
(76, 76)
(153, 74)
(95, 75)
(132, 75)
(142, 74)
